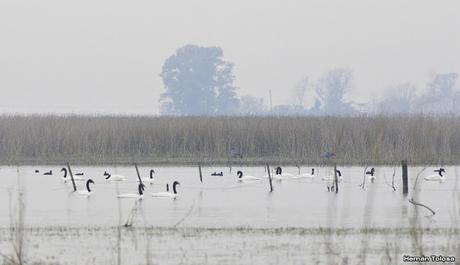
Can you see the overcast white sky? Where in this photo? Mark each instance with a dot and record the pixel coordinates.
(105, 56)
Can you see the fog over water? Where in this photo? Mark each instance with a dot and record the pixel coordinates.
(105, 56)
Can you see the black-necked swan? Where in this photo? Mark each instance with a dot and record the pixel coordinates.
(306, 175)
(217, 174)
(111, 177)
(65, 178)
(280, 176)
(331, 177)
(167, 194)
(437, 177)
(371, 174)
(149, 179)
(88, 190)
(37, 171)
(245, 178)
(139, 195)
(49, 173)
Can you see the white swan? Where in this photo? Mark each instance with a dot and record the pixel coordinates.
(272, 173)
(437, 177)
(111, 177)
(88, 191)
(371, 174)
(139, 195)
(65, 178)
(242, 178)
(306, 175)
(332, 177)
(149, 180)
(168, 194)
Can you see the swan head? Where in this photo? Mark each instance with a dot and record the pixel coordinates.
(65, 172)
(141, 189)
(339, 173)
(175, 183)
(279, 171)
(440, 171)
(239, 174)
(88, 182)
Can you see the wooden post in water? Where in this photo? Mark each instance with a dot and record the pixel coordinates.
(270, 178)
(71, 177)
(201, 174)
(404, 177)
(138, 174)
(336, 179)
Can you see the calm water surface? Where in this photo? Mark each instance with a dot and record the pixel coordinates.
(224, 202)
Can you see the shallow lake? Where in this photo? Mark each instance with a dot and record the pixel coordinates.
(222, 201)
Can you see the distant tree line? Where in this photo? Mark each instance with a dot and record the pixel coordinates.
(198, 81)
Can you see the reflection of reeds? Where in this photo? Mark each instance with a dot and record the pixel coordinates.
(295, 140)
(17, 227)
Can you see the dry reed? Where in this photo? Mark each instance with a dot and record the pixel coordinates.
(289, 140)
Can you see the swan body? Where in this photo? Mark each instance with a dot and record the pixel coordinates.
(306, 175)
(437, 177)
(115, 178)
(88, 191)
(331, 178)
(167, 193)
(242, 178)
(139, 195)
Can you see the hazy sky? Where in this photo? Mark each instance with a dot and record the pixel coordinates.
(105, 56)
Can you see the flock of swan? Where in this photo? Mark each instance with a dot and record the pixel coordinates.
(276, 175)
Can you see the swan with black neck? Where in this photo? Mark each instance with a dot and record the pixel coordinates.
(88, 191)
(139, 195)
(242, 178)
(168, 194)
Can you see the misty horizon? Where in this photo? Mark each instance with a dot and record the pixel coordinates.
(106, 57)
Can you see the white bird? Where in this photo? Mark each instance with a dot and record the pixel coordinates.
(371, 175)
(88, 191)
(65, 178)
(150, 179)
(437, 177)
(168, 194)
(139, 195)
(115, 178)
(272, 173)
(332, 177)
(306, 175)
(242, 178)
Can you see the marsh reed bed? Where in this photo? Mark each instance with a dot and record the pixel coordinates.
(290, 140)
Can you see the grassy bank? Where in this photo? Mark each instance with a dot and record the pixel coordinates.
(189, 140)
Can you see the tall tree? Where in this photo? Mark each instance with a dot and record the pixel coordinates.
(331, 90)
(441, 94)
(399, 99)
(198, 82)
